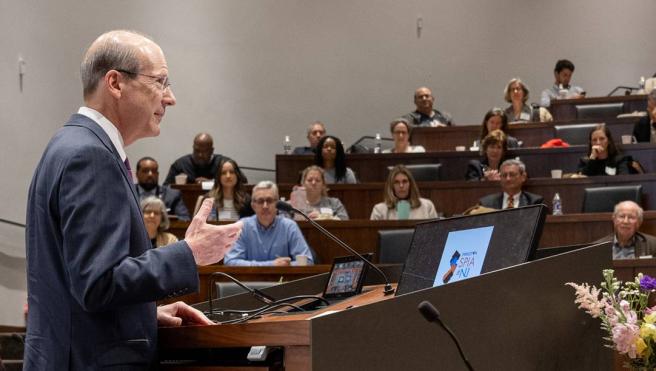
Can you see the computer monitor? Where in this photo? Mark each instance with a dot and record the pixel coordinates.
(449, 250)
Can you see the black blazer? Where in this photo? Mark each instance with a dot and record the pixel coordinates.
(598, 167)
(642, 129)
(495, 200)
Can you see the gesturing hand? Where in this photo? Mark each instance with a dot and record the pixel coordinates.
(209, 243)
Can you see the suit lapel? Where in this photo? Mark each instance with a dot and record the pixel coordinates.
(85, 122)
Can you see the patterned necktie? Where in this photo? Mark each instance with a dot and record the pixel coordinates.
(127, 166)
(511, 203)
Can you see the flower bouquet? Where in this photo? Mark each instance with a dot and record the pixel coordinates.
(625, 315)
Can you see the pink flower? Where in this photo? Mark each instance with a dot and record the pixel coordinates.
(587, 297)
(625, 337)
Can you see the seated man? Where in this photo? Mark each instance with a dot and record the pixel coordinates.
(425, 115)
(513, 176)
(267, 238)
(645, 129)
(561, 88)
(628, 243)
(314, 132)
(201, 165)
(147, 185)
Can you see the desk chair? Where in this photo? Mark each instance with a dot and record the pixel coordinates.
(604, 199)
(578, 134)
(599, 111)
(393, 245)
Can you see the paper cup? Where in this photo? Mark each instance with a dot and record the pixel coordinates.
(301, 260)
(556, 173)
(628, 139)
(460, 148)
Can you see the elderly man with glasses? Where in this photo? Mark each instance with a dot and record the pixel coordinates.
(628, 243)
(267, 238)
(512, 177)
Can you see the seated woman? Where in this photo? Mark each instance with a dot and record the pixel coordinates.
(401, 132)
(330, 156)
(320, 205)
(496, 119)
(402, 199)
(493, 149)
(516, 93)
(603, 158)
(231, 201)
(156, 221)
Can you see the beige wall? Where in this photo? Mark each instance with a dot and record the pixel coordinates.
(250, 72)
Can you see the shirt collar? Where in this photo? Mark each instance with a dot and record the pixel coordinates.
(107, 126)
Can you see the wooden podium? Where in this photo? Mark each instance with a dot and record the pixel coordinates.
(523, 317)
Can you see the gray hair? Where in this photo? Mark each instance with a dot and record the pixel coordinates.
(506, 91)
(105, 54)
(154, 202)
(311, 126)
(265, 184)
(515, 162)
(638, 208)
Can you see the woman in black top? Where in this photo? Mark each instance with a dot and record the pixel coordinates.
(603, 157)
(493, 149)
(496, 119)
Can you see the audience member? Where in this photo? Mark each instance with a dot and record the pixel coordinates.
(314, 132)
(402, 132)
(513, 176)
(402, 199)
(157, 221)
(496, 119)
(561, 88)
(332, 159)
(645, 129)
(493, 150)
(603, 158)
(322, 206)
(267, 238)
(147, 185)
(231, 200)
(628, 243)
(424, 114)
(516, 93)
(199, 166)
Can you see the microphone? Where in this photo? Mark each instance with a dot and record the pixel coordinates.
(284, 206)
(431, 314)
(628, 89)
(259, 295)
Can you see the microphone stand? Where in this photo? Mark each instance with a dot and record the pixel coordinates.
(287, 207)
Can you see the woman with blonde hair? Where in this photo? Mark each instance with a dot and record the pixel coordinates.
(493, 150)
(402, 199)
(157, 221)
(320, 205)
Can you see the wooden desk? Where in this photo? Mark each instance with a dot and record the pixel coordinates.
(531, 134)
(565, 109)
(539, 162)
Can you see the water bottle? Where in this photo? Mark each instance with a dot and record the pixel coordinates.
(379, 144)
(557, 207)
(641, 85)
(287, 146)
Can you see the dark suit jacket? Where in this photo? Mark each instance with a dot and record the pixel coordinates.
(92, 277)
(495, 200)
(172, 198)
(642, 129)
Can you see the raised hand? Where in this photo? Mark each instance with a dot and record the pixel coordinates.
(209, 243)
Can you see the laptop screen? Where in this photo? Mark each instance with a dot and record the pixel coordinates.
(449, 250)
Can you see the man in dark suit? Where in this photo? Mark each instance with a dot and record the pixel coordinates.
(147, 185)
(92, 276)
(628, 242)
(513, 175)
(645, 129)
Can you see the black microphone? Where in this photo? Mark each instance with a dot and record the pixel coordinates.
(284, 206)
(628, 89)
(433, 315)
(259, 295)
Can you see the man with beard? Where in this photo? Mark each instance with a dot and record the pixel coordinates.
(148, 177)
(199, 166)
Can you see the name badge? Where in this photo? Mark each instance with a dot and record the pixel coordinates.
(326, 211)
(224, 215)
(611, 170)
(525, 116)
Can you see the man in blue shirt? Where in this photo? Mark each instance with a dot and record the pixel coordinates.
(267, 238)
